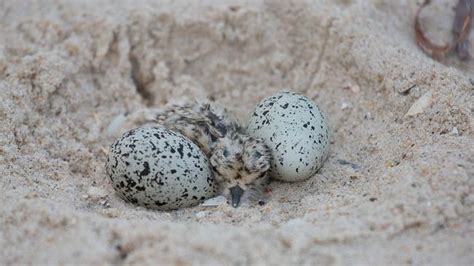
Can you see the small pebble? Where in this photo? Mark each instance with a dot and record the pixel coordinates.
(455, 131)
(419, 105)
(95, 193)
(216, 201)
(116, 124)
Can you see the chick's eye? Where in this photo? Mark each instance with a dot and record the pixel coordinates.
(257, 155)
(225, 153)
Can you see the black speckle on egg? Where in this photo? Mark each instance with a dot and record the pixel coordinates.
(146, 169)
(159, 203)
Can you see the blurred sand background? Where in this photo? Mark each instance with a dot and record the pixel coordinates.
(398, 187)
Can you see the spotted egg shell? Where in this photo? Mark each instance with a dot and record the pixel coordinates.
(160, 169)
(295, 130)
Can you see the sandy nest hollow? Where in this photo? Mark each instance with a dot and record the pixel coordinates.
(398, 187)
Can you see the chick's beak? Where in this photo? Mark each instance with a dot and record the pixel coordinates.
(236, 193)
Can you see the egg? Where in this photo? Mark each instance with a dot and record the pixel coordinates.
(295, 130)
(160, 169)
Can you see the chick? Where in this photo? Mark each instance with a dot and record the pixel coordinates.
(240, 163)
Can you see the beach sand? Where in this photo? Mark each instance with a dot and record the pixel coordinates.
(398, 187)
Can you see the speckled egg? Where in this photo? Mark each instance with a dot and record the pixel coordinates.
(295, 130)
(160, 169)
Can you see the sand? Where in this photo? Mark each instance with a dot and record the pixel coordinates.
(398, 187)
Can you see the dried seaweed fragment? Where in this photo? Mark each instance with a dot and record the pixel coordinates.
(461, 29)
(462, 26)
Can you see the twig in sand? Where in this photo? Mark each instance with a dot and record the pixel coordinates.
(461, 29)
